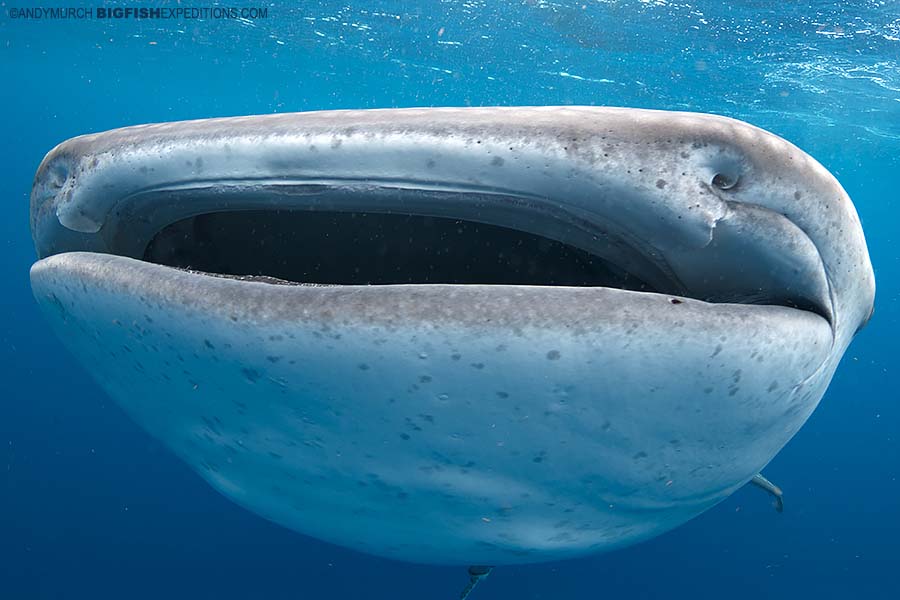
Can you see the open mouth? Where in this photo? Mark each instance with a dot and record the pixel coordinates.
(283, 246)
(521, 244)
(358, 248)
(356, 217)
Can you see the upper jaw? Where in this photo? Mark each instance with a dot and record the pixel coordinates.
(685, 202)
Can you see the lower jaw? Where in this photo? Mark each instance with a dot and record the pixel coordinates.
(439, 423)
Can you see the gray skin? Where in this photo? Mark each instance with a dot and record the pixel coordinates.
(468, 424)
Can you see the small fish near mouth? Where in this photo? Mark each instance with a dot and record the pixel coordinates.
(456, 336)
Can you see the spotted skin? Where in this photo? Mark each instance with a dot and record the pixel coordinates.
(467, 424)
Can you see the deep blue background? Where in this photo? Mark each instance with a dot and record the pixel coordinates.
(91, 507)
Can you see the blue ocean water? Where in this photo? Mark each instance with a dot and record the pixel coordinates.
(92, 507)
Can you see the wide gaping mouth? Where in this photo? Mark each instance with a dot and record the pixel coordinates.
(321, 200)
(360, 248)
(360, 234)
(522, 243)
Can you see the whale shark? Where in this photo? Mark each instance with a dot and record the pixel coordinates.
(473, 336)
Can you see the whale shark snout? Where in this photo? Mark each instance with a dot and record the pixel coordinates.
(456, 335)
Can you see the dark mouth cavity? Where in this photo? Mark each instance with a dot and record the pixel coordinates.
(358, 248)
(347, 247)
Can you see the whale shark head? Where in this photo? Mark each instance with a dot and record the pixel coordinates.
(486, 335)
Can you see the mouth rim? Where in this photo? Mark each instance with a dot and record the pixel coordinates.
(107, 268)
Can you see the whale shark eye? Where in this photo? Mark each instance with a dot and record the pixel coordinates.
(58, 175)
(724, 181)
